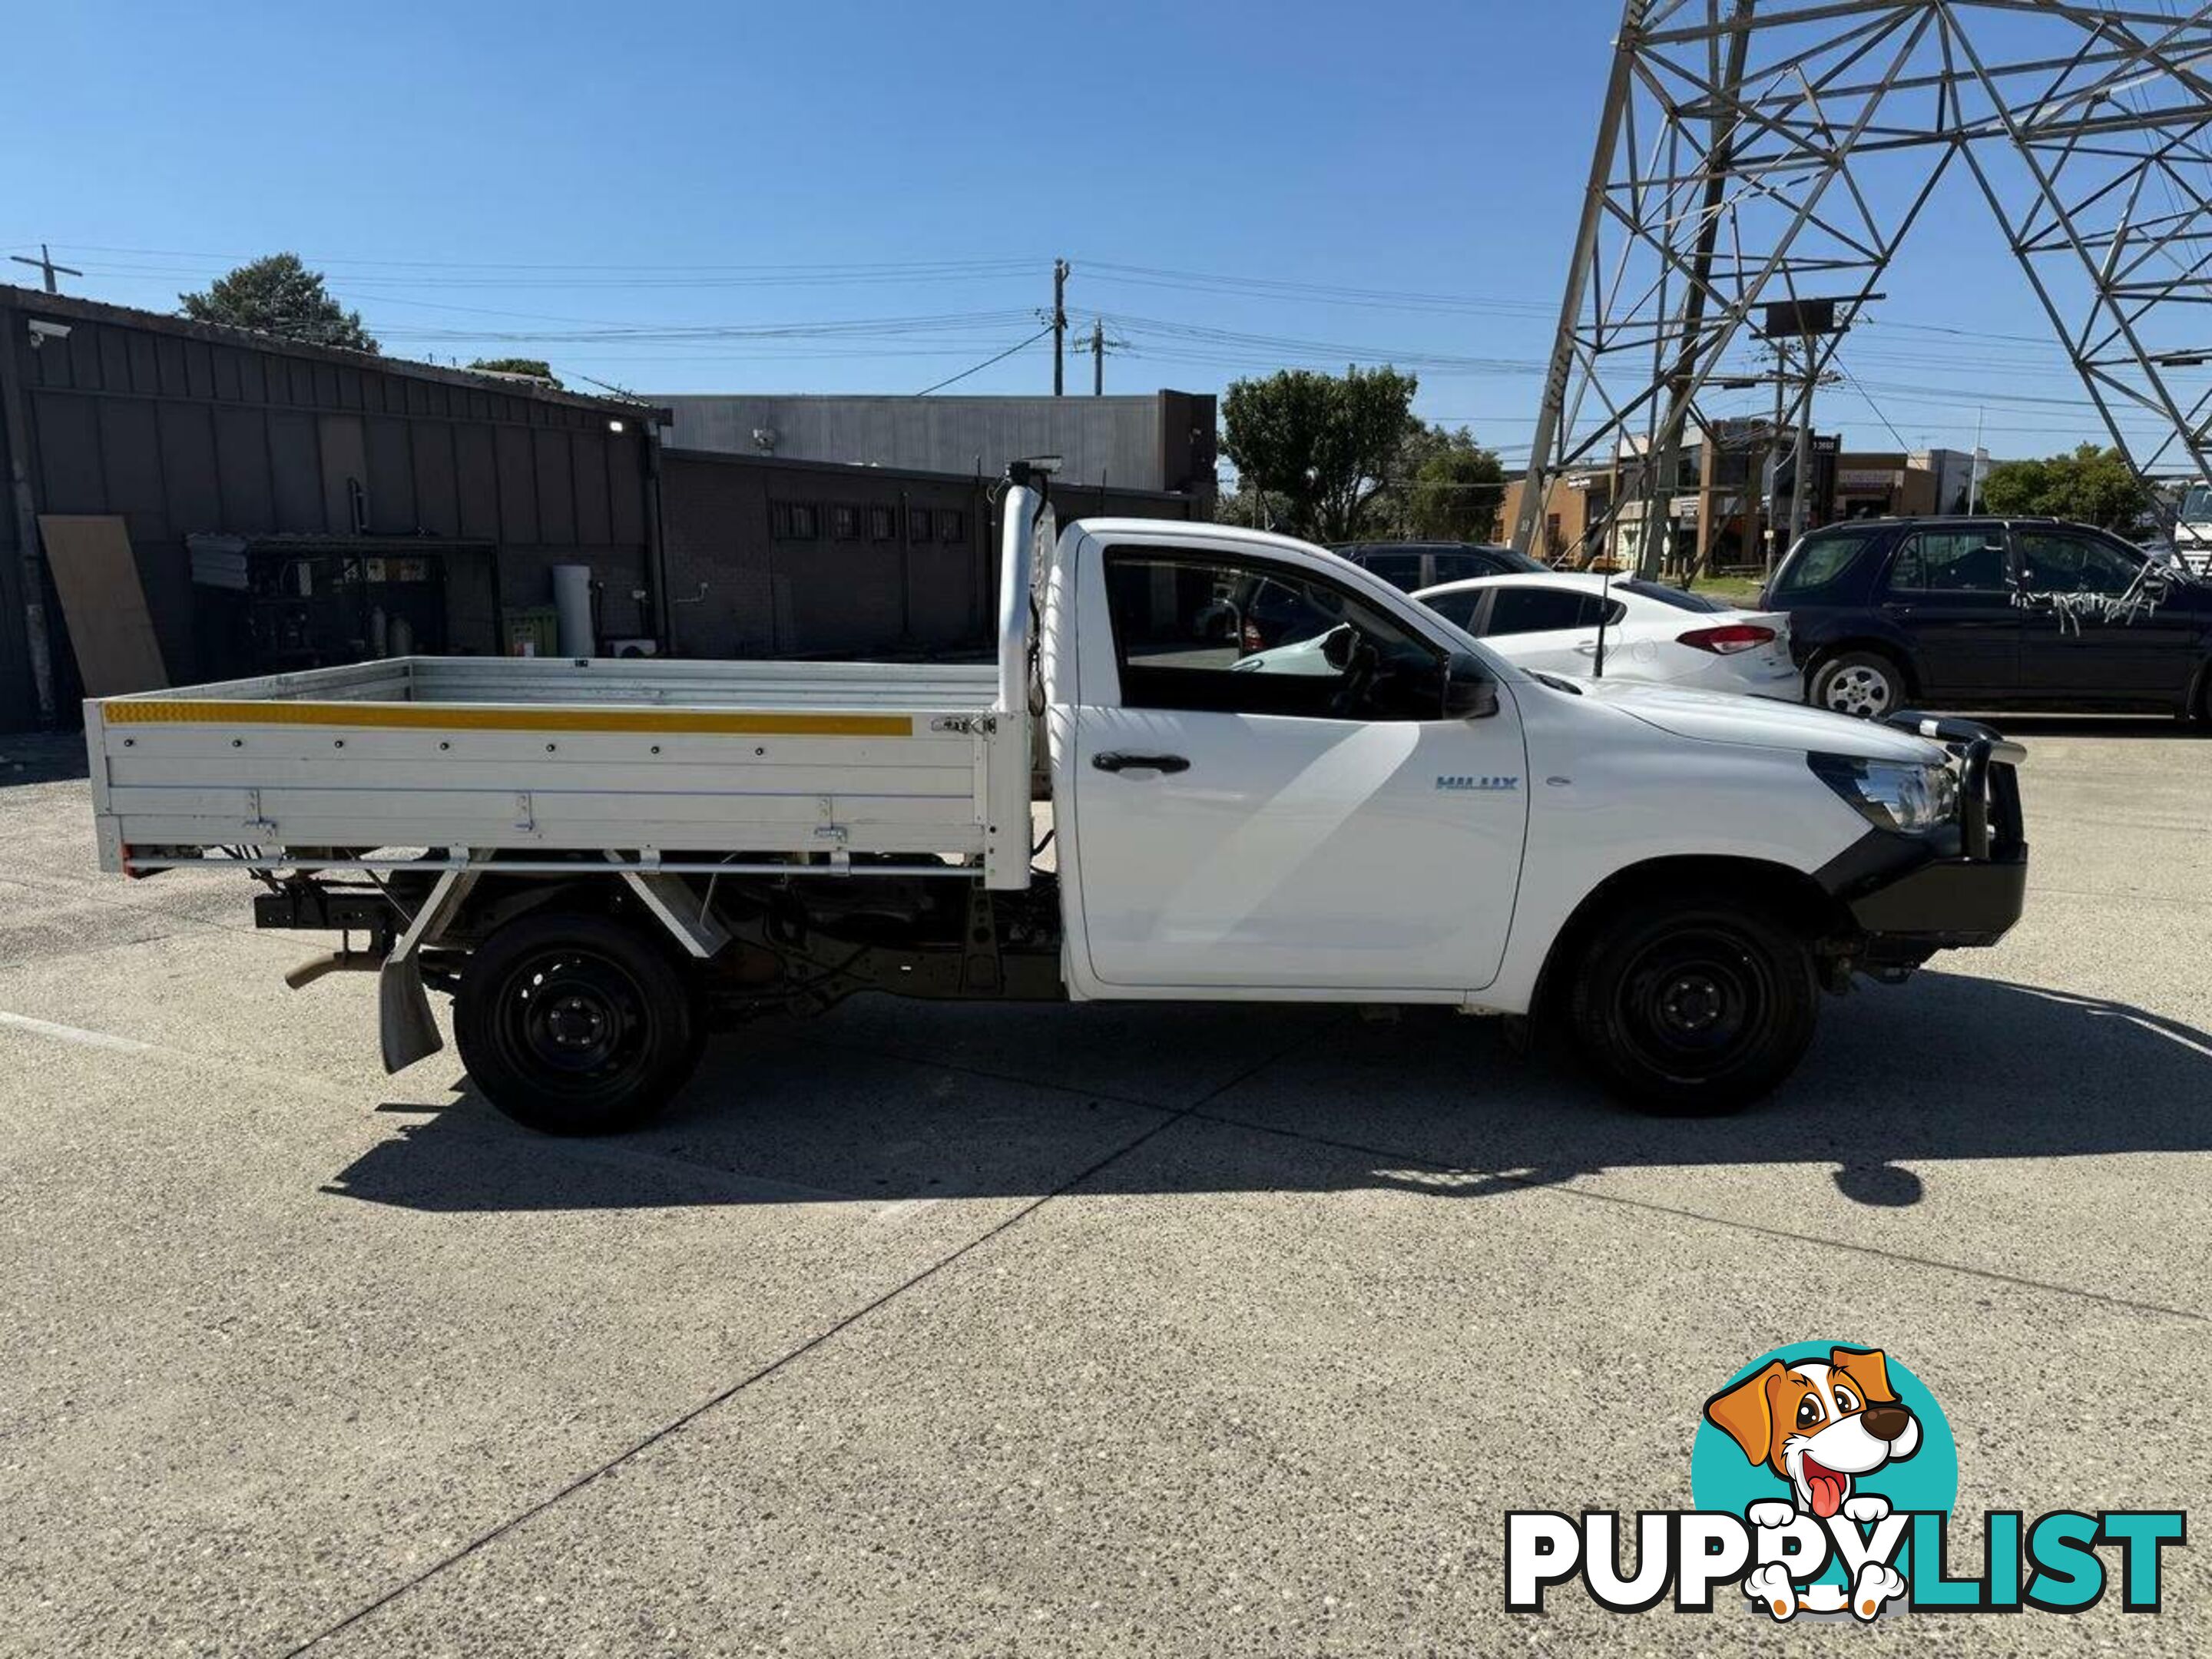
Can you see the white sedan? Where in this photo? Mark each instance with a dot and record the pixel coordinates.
(1653, 633)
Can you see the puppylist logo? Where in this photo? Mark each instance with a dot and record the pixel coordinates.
(1824, 1476)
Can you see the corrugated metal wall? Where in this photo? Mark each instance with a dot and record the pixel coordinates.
(913, 570)
(180, 429)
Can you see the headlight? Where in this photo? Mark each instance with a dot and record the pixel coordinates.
(1889, 796)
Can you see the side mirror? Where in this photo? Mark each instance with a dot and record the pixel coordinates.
(1469, 692)
(1336, 646)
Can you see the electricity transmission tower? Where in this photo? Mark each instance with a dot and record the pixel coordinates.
(1752, 155)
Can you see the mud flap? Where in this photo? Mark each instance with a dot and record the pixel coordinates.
(403, 1005)
(402, 1014)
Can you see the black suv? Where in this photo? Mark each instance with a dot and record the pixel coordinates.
(1410, 567)
(1986, 613)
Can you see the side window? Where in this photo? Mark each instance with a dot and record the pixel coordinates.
(1200, 633)
(1818, 564)
(1538, 610)
(1462, 567)
(1401, 570)
(1951, 561)
(1457, 608)
(2057, 562)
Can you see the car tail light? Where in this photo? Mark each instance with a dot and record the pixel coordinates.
(1727, 638)
(1251, 640)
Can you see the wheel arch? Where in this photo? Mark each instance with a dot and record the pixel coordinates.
(500, 899)
(1895, 651)
(2197, 703)
(1791, 893)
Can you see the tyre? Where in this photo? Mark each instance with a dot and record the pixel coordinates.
(1863, 682)
(574, 1024)
(1693, 1004)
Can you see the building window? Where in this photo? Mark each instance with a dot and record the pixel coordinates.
(795, 521)
(951, 525)
(845, 524)
(883, 524)
(920, 525)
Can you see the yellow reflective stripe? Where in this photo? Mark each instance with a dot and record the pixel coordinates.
(434, 717)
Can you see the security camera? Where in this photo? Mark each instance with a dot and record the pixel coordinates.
(42, 330)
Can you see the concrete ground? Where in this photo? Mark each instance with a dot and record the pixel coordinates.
(994, 1331)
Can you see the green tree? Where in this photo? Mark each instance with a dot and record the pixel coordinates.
(1321, 447)
(536, 368)
(1389, 515)
(1457, 492)
(1242, 506)
(279, 295)
(2092, 485)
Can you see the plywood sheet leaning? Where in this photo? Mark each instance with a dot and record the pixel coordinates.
(96, 574)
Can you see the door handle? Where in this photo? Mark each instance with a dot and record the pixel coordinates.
(1587, 647)
(1114, 761)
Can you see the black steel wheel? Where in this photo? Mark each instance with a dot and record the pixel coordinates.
(576, 1024)
(1694, 1005)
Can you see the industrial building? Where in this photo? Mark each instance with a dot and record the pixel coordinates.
(267, 505)
(769, 558)
(326, 489)
(1162, 442)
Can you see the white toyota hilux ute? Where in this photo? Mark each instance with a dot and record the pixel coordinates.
(600, 861)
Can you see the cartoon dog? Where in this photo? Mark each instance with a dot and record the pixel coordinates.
(1818, 1425)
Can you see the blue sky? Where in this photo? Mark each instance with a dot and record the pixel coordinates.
(467, 173)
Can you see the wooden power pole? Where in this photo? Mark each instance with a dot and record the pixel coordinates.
(1059, 328)
(46, 267)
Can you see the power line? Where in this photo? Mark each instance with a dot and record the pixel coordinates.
(1161, 340)
(857, 327)
(1328, 293)
(46, 267)
(1285, 344)
(328, 261)
(987, 362)
(1836, 357)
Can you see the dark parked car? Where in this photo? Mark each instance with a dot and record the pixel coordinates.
(1412, 565)
(1262, 615)
(1986, 613)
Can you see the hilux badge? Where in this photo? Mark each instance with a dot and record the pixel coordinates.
(1463, 781)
